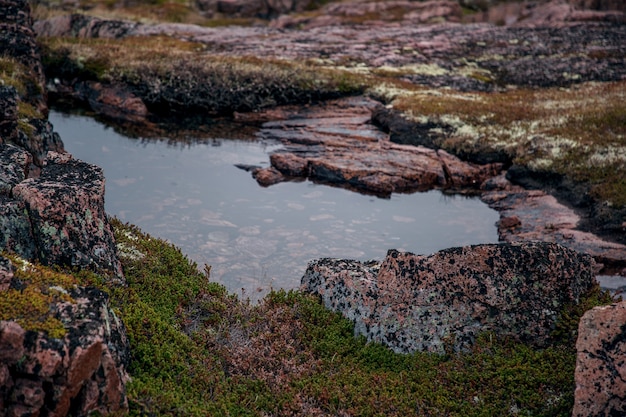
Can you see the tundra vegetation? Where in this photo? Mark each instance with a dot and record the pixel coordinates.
(198, 350)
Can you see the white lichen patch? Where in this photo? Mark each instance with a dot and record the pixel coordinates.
(609, 155)
(129, 252)
(356, 69)
(540, 164)
(59, 290)
(472, 70)
(432, 70)
(22, 264)
(389, 92)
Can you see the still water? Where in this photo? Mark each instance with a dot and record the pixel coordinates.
(258, 238)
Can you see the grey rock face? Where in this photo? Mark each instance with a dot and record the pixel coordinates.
(432, 303)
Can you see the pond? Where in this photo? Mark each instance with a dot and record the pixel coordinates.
(256, 238)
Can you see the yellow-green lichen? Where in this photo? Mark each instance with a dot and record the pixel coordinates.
(31, 302)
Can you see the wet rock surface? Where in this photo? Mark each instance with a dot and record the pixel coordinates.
(336, 143)
(600, 368)
(527, 215)
(443, 301)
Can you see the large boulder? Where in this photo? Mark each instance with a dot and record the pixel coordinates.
(65, 206)
(80, 373)
(443, 301)
(600, 366)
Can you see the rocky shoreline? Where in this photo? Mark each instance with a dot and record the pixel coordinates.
(74, 356)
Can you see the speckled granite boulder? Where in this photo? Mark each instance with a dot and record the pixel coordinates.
(433, 303)
(78, 374)
(65, 206)
(601, 362)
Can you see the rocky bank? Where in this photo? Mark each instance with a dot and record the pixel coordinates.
(62, 348)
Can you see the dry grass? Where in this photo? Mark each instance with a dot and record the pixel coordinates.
(175, 76)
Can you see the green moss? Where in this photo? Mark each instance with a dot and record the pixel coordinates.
(13, 73)
(40, 289)
(566, 330)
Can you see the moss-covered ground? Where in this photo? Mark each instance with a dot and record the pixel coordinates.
(579, 132)
(197, 350)
(174, 76)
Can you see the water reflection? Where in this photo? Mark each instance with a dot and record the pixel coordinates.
(193, 195)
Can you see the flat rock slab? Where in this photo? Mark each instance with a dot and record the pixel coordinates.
(527, 215)
(444, 301)
(336, 143)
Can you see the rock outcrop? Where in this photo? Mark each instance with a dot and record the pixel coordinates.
(57, 218)
(65, 207)
(600, 367)
(528, 215)
(17, 40)
(82, 372)
(52, 212)
(252, 8)
(19, 48)
(335, 143)
(443, 301)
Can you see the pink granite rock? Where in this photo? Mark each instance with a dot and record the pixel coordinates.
(112, 102)
(336, 143)
(601, 363)
(82, 373)
(432, 303)
(66, 210)
(527, 215)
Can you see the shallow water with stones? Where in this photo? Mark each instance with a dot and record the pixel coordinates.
(256, 238)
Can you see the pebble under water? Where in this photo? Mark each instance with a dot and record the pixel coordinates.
(256, 238)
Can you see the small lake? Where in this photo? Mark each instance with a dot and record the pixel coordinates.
(256, 238)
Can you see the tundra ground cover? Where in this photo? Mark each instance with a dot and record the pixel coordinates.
(198, 350)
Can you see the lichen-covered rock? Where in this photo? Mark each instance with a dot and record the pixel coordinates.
(17, 40)
(24, 108)
(81, 373)
(14, 163)
(432, 303)
(8, 113)
(600, 363)
(65, 206)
